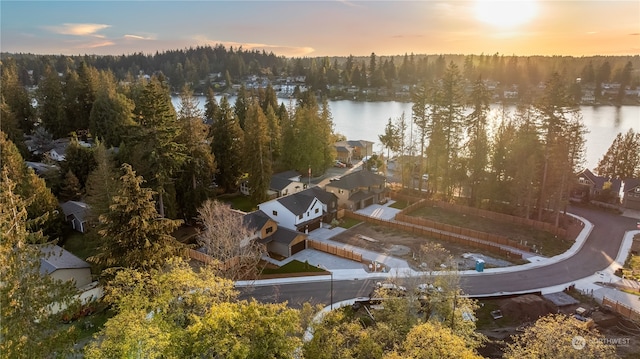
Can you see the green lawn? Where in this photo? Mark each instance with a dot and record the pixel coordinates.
(293, 267)
(400, 204)
(547, 241)
(240, 202)
(349, 222)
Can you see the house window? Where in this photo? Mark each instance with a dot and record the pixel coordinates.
(275, 213)
(269, 230)
(317, 210)
(301, 215)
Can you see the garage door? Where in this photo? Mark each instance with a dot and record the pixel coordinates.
(298, 247)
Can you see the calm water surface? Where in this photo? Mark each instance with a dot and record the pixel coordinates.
(367, 120)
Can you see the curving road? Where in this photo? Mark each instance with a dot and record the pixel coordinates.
(598, 251)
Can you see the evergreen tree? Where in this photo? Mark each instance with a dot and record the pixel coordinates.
(101, 186)
(227, 145)
(79, 160)
(390, 139)
(156, 143)
(9, 125)
(50, 103)
(87, 90)
(29, 329)
(450, 100)
(15, 95)
(196, 176)
(523, 162)
(310, 128)
(424, 120)
(134, 234)
(42, 203)
(275, 134)
(257, 153)
(477, 146)
(241, 106)
(622, 159)
(557, 113)
(71, 188)
(111, 117)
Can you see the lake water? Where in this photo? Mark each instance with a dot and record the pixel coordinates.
(367, 120)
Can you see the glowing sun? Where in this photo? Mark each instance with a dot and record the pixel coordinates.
(506, 13)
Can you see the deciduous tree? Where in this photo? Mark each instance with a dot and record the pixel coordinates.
(175, 311)
(228, 239)
(559, 336)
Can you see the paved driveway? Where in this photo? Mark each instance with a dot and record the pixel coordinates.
(380, 211)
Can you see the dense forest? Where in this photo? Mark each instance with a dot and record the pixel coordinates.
(219, 68)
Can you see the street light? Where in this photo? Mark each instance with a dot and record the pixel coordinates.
(331, 290)
(331, 294)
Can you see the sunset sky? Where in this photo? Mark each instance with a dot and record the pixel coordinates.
(324, 28)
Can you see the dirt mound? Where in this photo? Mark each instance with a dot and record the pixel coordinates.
(525, 308)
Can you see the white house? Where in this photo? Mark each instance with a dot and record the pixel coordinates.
(301, 211)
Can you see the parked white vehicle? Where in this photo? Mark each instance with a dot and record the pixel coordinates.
(390, 286)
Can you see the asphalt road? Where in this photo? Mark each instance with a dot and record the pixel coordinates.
(598, 251)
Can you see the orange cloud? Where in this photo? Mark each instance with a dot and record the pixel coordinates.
(78, 29)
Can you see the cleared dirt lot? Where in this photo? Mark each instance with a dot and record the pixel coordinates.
(405, 245)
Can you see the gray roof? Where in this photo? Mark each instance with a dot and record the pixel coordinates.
(297, 203)
(630, 184)
(75, 208)
(324, 196)
(55, 257)
(40, 168)
(279, 183)
(255, 220)
(599, 181)
(284, 235)
(358, 179)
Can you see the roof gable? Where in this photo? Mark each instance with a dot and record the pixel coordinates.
(75, 208)
(297, 203)
(358, 179)
(55, 257)
(255, 220)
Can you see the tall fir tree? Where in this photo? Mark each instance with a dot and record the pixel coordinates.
(196, 176)
(257, 153)
(111, 117)
(134, 235)
(227, 145)
(42, 203)
(17, 101)
(50, 99)
(622, 159)
(159, 153)
(29, 329)
(477, 145)
(102, 185)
